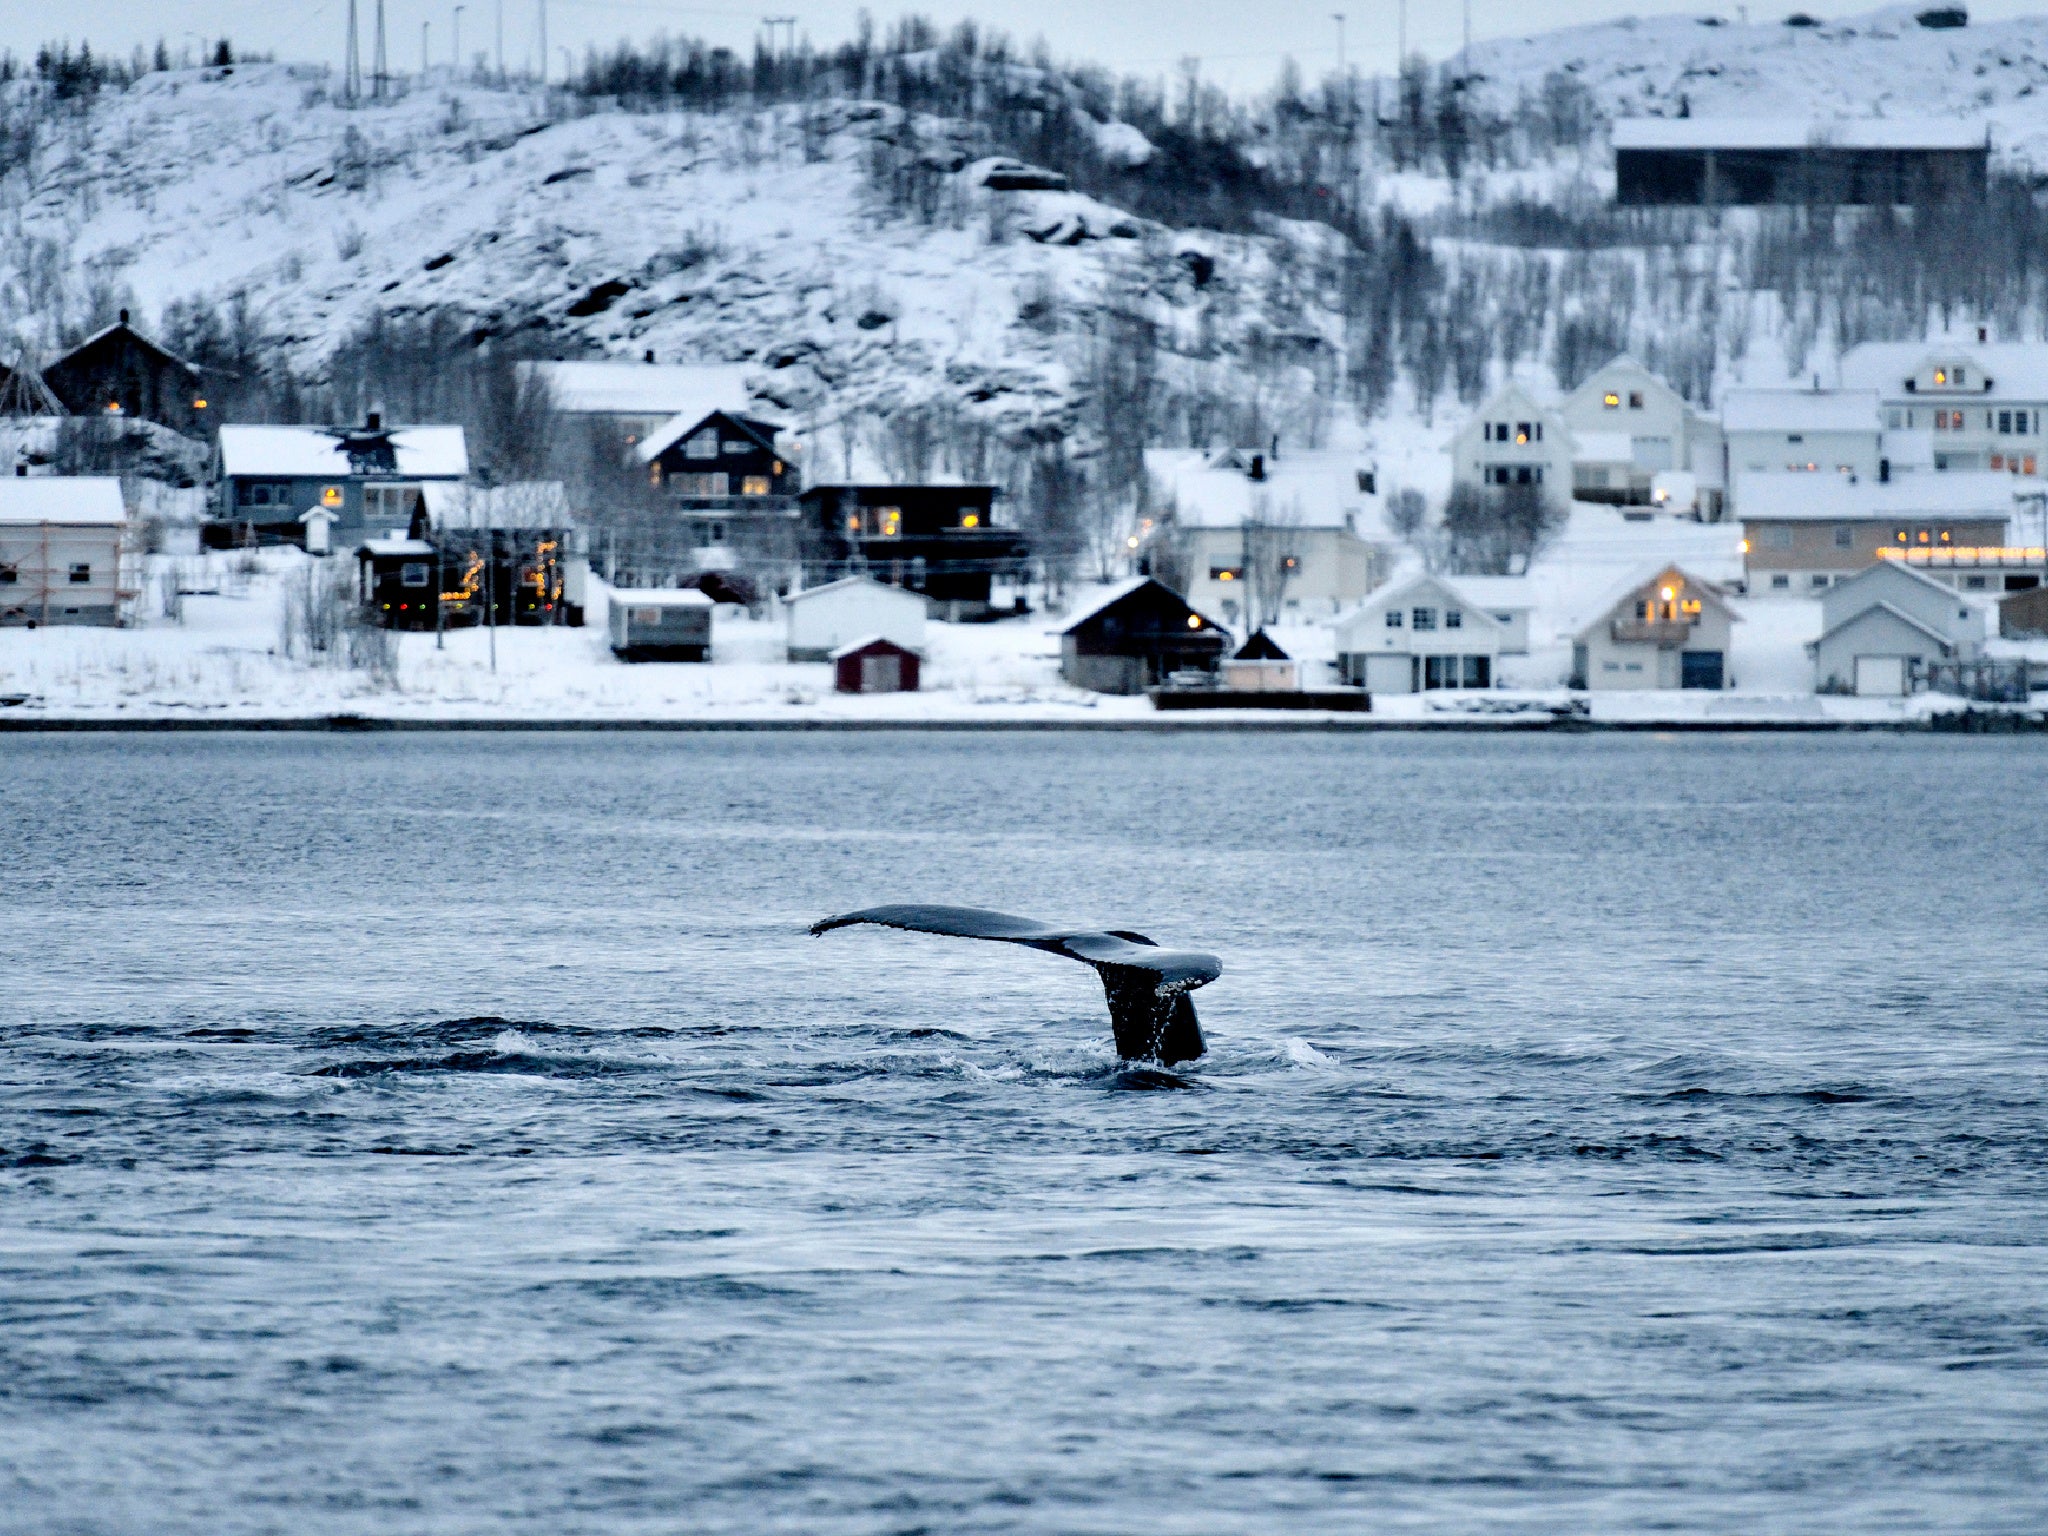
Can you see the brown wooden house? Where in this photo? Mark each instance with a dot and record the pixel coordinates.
(1136, 637)
(121, 372)
(937, 540)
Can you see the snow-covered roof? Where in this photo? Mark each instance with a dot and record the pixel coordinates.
(1398, 594)
(1649, 576)
(1798, 133)
(61, 499)
(1316, 489)
(1116, 594)
(644, 389)
(316, 452)
(397, 547)
(845, 583)
(2015, 370)
(1842, 498)
(1498, 594)
(660, 597)
(867, 640)
(527, 504)
(1799, 410)
(1603, 448)
(685, 422)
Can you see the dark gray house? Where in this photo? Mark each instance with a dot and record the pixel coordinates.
(328, 487)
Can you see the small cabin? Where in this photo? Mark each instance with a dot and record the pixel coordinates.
(875, 665)
(1136, 636)
(1260, 666)
(661, 626)
(822, 619)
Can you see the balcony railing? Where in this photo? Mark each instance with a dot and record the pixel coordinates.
(1659, 632)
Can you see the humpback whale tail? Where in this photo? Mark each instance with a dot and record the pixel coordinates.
(1150, 1011)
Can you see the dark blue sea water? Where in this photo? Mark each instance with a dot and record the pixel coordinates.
(448, 1134)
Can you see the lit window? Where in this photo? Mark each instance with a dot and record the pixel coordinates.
(754, 485)
(198, 405)
(969, 518)
(1194, 621)
(1523, 430)
(1226, 573)
(1941, 375)
(81, 573)
(654, 474)
(1611, 401)
(330, 495)
(1424, 618)
(888, 522)
(853, 522)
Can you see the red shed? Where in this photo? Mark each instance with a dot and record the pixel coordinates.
(875, 665)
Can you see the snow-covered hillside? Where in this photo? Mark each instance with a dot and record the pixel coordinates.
(1881, 64)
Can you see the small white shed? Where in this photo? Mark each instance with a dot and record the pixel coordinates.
(823, 619)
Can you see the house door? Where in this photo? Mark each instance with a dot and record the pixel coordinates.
(1699, 669)
(881, 674)
(1880, 676)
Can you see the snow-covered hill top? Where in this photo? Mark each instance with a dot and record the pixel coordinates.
(1881, 64)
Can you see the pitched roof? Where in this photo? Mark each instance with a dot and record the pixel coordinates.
(1946, 642)
(1111, 596)
(1832, 497)
(683, 423)
(866, 641)
(316, 452)
(528, 504)
(644, 389)
(1798, 133)
(661, 597)
(845, 582)
(1398, 594)
(1260, 647)
(1800, 410)
(94, 499)
(119, 327)
(1313, 489)
(2016, 370)
(1649, 576)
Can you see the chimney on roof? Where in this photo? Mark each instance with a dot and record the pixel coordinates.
(1983, 334)
(20, 468)
(373, 420)
(650, 354)
(1258, 469)
(1816, 383)
(124, 317)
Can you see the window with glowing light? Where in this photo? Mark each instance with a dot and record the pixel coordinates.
(1611, 401)
(1226, 573)
(969, 518)
(754, 485)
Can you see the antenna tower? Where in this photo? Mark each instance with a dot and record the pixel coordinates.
(352, 64)
(380, 68)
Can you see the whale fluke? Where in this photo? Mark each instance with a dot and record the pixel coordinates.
(1150, 1011)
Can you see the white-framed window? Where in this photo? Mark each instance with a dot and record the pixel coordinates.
(1423, 618)
(81, 573)
(1781, 582)
(703, 446)
(1393, 614)
(414, 573)
(1454, 618)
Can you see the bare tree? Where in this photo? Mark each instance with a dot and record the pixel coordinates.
(1272, 559)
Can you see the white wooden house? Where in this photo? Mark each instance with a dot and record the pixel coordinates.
(1667, 630)
(1416, 635)
(823, 619)
(1515, 439)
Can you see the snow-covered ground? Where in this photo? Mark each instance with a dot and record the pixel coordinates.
(224, 660)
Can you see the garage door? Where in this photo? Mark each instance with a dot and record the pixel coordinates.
(1881, 676)
(1699, 669)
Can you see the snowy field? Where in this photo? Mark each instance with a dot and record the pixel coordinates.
(225, 659)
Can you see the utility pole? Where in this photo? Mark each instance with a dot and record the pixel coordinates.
(1338, 17)
(425, 28)
(1401, 47)
(501, 41)
(457, 53)
(352, 68)
(1465, 59)
(543, 42)
(380, 67)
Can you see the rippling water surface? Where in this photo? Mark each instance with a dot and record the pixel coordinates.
(460, 1134)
